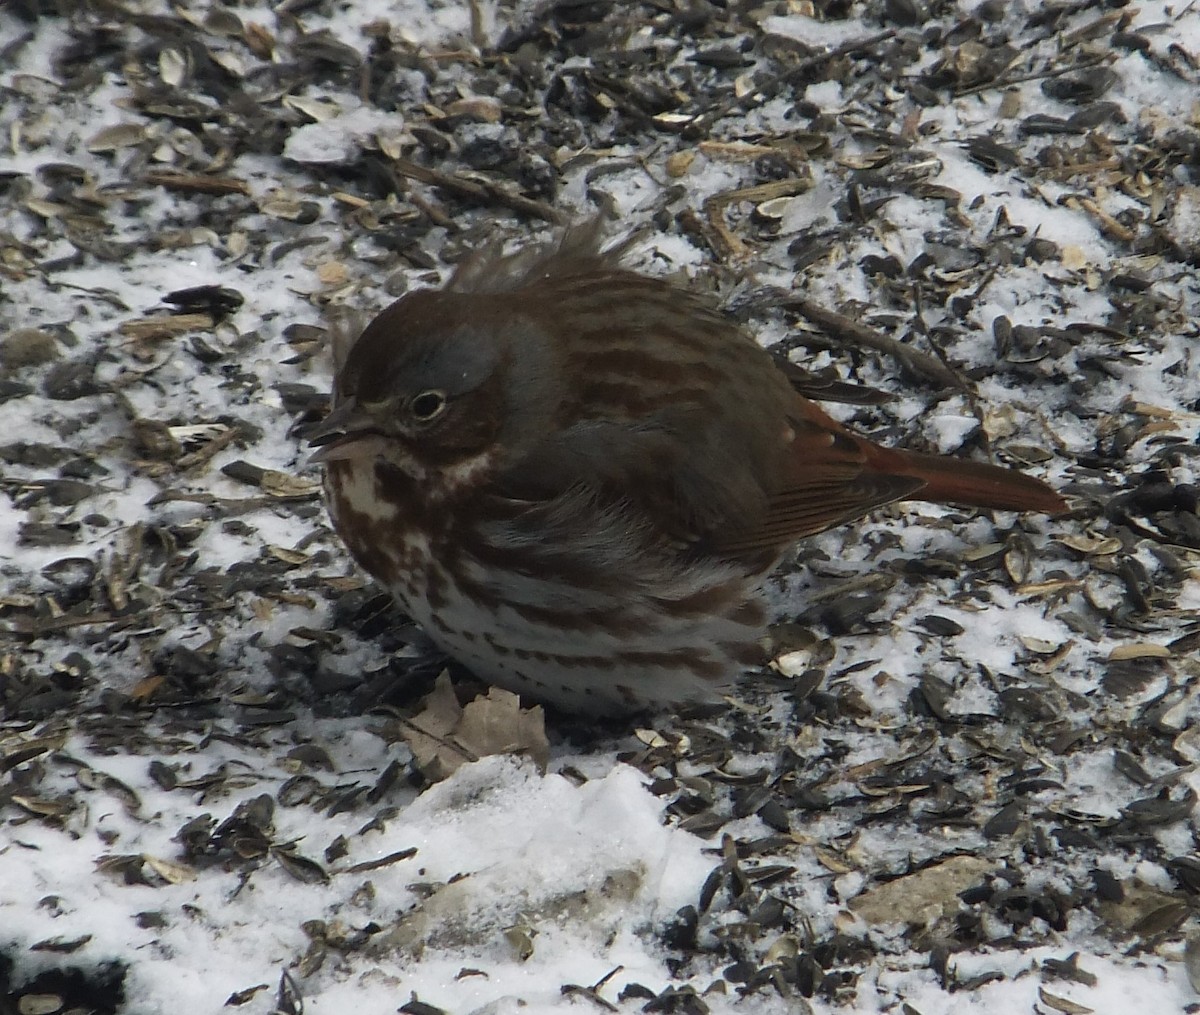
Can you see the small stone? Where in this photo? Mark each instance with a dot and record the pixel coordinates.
(28, 347)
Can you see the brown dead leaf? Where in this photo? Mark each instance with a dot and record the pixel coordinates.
(921, 898)
(444, 736)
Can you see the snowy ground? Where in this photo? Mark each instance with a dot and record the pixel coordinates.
(970, 782)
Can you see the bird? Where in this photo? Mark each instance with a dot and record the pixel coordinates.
(576, 477)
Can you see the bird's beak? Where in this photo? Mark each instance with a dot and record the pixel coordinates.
(345, 433)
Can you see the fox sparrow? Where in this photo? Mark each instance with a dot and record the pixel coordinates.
(574, 477)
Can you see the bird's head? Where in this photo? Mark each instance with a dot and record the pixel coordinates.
(422, 388)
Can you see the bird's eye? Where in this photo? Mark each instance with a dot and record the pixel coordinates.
(428, 405)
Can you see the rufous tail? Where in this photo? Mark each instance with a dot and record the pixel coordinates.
(959, 481)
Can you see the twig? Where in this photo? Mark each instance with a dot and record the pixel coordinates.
(923, 329)
(26, 628)
(198, 183)
(1033, 76)
(714, 207)
(1107, 223)
(448, 742)
(848, 330)
(479, 188)
(938, 352)
(700, 123)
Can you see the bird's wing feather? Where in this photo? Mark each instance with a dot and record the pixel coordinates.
(826, 481)
(688, 489)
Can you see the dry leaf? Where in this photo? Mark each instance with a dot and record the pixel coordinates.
(445, 736)
(920, 898)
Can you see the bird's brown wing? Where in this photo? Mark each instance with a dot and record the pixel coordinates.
(831, 475)
(685, 489)
(829, 482)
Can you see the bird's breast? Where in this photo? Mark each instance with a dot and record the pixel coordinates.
(381, 518)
